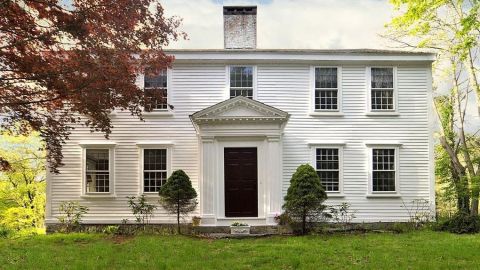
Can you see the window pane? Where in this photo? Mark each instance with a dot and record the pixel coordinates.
(241, 76)
(384, 181)
(98, 182)
(382, 77)
(326, 99)
(383, 175)
(382, 100)
(155, 169)
(156, 91)
(156, 98)
(97, 159)
(246, 92)
(152, 181)
(329, 180)
(156, 81)
(383, 159)
(327, 163)
(325, 77)
(97, 174)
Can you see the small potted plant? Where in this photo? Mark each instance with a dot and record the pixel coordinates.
(239, 228)
(277, 218)
(196, 221)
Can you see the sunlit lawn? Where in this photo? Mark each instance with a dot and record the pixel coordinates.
(417, 250)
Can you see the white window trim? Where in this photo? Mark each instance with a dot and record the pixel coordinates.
(111, 168)
(227, 81)
(313, 111)
(383, 145)
(152, 145)
(330, 145)
(160, 112)
(369, 110)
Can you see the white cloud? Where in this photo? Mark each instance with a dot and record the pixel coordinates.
(288, 24)
(294, 24)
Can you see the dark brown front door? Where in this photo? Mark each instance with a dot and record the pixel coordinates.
(241, 199)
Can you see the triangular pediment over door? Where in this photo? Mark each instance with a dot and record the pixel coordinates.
(239, 109)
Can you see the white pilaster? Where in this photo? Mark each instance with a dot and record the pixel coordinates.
(274, 165)
(207, 187)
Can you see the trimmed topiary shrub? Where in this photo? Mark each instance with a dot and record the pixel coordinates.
(305, 197)
(178, 196)
(460, 223)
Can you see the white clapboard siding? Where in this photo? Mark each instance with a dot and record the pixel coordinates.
(193, 87)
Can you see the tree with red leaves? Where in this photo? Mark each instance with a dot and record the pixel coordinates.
(61, 60)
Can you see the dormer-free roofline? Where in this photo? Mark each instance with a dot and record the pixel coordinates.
(299, 55)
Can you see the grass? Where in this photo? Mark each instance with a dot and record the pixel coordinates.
(416, 250)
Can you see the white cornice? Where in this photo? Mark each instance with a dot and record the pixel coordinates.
(301, 55)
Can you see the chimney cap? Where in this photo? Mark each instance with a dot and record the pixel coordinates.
(240, 10)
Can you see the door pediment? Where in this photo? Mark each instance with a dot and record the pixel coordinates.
(239, 109)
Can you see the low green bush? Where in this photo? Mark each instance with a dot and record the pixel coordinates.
(460, 223)
(111, 229)
(4, 232)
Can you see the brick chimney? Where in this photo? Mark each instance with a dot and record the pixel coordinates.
(240, 27)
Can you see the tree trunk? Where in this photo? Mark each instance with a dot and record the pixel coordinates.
(461, 190)
(178, 216)
(304, 222)
(475, 194)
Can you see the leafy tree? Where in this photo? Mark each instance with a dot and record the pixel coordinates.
(305, 196)
(452, 29)
(22, 187)
(178, 196)
(62, 59)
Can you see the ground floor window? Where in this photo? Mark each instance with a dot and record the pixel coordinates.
(383, 169)
(154, 169)
(328, 169)
(97, 170)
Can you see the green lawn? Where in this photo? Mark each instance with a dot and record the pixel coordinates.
(417, 250)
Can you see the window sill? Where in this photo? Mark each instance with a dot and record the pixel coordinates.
(157, 114)
(326, 114)
(150, 195)
(382, 114)
(335, 195)
(384, 195)
(98, 196)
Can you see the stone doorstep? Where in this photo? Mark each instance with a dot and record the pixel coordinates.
(254, 230)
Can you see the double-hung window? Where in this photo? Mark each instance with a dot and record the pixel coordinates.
(97, 170)
(154, 169)
(241, 81)
(156, 90)
(384, 169)
(328, 168)
(382, 95)
(326, 89)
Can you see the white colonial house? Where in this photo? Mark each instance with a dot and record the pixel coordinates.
(243, 119)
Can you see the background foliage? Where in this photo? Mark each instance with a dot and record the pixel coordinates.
(22, 186)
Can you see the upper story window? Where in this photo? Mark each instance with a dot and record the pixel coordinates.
(154, 169)
(97, 170)
(383, 170)
(326, 89)
(241, 81)
(328, 168)
(156, 90)
(382, 89)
